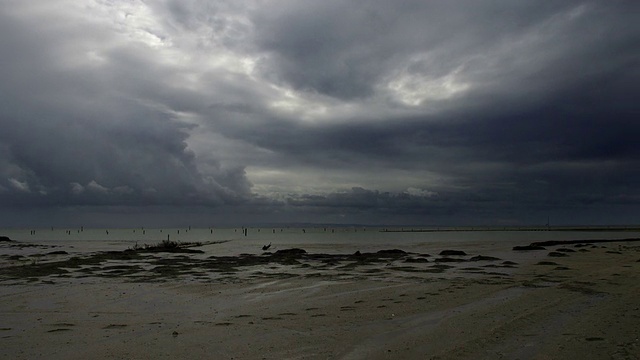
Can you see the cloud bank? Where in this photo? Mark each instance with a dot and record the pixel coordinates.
(223, 112)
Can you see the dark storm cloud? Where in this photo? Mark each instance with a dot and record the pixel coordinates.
(557, 111)
(572, 85)
(345, 51)
(78, 134)
(368, 111)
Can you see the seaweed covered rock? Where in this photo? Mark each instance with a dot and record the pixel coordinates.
(393, 252)
(484, 258)
(290, 252)
(452, 253)
(447, 259)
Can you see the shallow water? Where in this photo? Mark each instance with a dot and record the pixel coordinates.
(314, 240)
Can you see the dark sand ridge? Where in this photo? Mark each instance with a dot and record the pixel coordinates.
(297, 305)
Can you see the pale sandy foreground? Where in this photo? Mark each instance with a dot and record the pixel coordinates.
(582, 306)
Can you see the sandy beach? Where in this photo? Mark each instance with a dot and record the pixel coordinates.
(568, 301)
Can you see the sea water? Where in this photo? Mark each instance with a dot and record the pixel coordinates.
(330, 240)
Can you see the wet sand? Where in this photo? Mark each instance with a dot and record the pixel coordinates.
(569, 301)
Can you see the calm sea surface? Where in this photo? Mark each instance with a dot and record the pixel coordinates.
(316, 240)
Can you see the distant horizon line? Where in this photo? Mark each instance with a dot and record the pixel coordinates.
(383, 227)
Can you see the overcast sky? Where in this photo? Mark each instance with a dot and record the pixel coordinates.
(213, 113)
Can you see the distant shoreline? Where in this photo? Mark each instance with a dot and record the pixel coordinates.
(540, 228)
(380, 228)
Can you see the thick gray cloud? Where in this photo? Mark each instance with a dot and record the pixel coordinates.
(80, 133)
(439, 112)
(346, 51)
